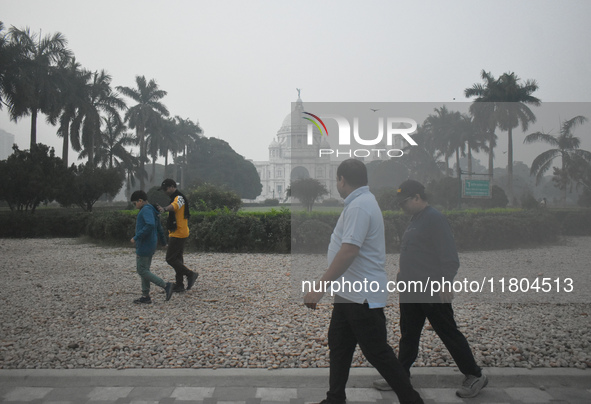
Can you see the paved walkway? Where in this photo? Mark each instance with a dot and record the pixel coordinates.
(293, 386)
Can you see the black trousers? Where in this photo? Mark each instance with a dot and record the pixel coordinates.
(441, 317)
(353, 324)
(174, 258)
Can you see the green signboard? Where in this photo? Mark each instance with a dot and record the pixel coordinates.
(476, 189)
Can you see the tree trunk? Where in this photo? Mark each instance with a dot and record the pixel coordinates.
(140, 135)
(510, 165)
(66, 145)
(166, 164)
(33, 129)
(491, 158)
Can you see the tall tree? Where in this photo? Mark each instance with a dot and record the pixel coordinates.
(8, 67)
(100, 101)
(448, 133)
(155, 140)
(36, 89)
(145, 113)
(188, 135)
(509, 109)
(111, 149)
(422, 160)
(73, 95)
(214, 161)
(565, 145)
(170, 142)
(484, 127)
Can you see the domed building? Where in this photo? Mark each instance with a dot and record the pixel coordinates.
(291, 158)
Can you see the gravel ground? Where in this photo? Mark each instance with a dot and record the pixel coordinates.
(68, 304)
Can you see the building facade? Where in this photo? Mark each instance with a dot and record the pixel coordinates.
(291, 158)
(6, 142)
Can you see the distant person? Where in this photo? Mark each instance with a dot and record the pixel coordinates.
(428, 251)
(543, 203)
(357, 253)
(148, 231)
(178, 231)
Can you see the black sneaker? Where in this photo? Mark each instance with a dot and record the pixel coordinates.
(168, 290)
(143, 300)
(191, 279)
(178, 288)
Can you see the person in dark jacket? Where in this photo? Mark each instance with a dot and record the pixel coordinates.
(148, 231)
(428, 252)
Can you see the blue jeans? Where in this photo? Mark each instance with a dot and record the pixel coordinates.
(143, 270)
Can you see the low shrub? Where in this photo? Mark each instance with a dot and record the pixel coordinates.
(282, 231)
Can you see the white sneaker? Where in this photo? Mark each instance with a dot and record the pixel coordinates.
(381, 385)
(472, 386)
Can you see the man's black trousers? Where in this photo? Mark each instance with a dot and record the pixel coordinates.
(353, 324)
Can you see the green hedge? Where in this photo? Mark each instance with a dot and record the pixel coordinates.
(241, 232)
(280, 231)
(44, 223)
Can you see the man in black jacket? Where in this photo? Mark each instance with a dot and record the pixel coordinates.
(428, 252)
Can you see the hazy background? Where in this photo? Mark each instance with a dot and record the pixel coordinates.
(234, 66)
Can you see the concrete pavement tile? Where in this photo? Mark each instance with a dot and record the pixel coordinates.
(363, 394)
(234, 394)
(570, 395)
(313, 394)
(528, 394)
(26, 393)
(490, 395)
(61, 402)
(73, 394)
(136, 401)
(192, 393)
(231, 402)
(276, 394)
(440, 395)
(108, 393)
(150, 393)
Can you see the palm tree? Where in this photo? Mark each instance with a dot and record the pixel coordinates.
(509, 107)
(8, 67)
(111, 148)
(36, 89)
(131, 168)
(565, 145)
(154, 140)
(188, 133)
(101, 99)
(170, 142)
(72, 98)
(484, 127)
(144, 114)
(422, 160)
(446, 131)
(474, 139)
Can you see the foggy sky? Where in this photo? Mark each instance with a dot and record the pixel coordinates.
(234, 66)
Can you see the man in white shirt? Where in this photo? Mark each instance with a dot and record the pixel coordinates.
(356, 257)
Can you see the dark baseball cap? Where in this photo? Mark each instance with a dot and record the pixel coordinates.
(409, 188)
(167, 183)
